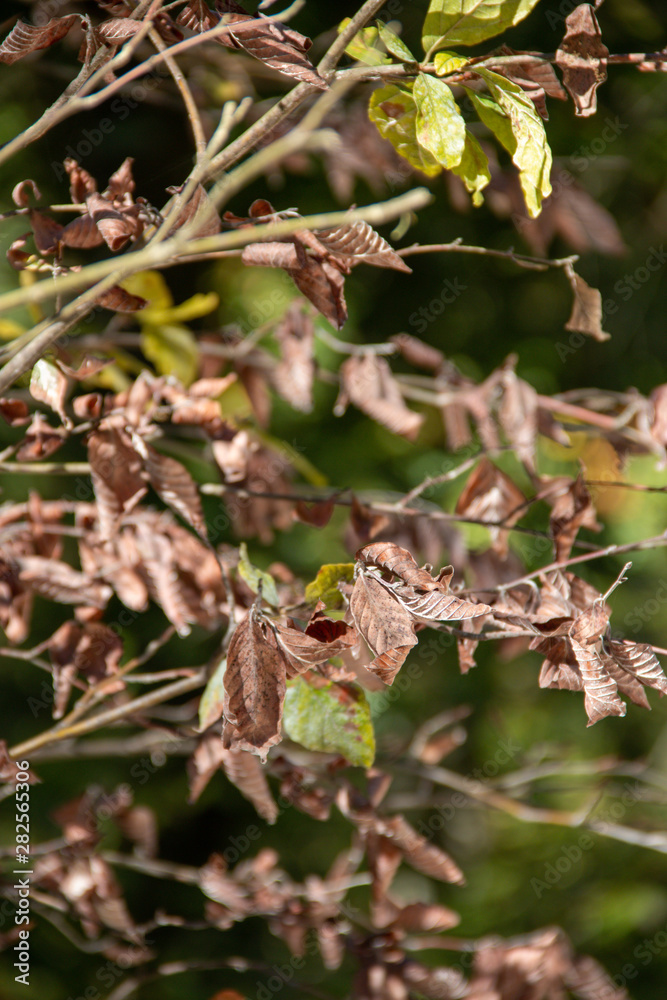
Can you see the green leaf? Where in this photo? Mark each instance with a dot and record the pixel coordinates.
(448, 62)
(329, 717)
(512, 118)
(172, 350)
(324, 586)
(394, 112)
(440, 127)
(394, 44)
(473, 169)
(253, 577)
(210, 705)
(362, 47)
(467, 22)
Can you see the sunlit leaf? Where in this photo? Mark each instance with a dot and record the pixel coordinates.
(473, 168)
(254, 577)
(325, 585)
(440, 126)
(393, 110)
(512, 118)
(363, 47)
(332, 718)
(394, 44)
(467, 22)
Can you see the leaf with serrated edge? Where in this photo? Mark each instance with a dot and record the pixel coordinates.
(331, 718)
(440, 127)
(245, 772)
(512, 118)
(254, 688)
(467, 22)
(394, 559)
(384, 624)
(639, 660)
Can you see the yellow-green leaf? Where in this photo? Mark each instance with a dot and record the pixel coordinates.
(394, 112)
(473, 169)
(254, 577)
(512, 118)
(150, 285)
(172, 350)
(210, 705)
(394, 44)
(448, 62)
(325, 585)
(197, 305)
(10, 329)
(467, 22)
(440, 126)
(362, 48)
(331, 718)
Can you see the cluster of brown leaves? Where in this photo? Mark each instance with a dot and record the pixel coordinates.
(317, 261)
(112, 217)
(390, 597)
(267, 40)
(74, 878)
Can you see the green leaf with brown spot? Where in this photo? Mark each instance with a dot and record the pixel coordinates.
(331, 718)
(393, 110)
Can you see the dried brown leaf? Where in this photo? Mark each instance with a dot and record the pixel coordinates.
(57, 581)
(384, 624)
(200, 210)
(582, 59)
(246, 772)
(25, 38)
(15, 412)
(572, 510)
(46, 232)
(639, 661)
(293, 375)
(118, 300)
(420, 854)
(416, 352)
(115, 227)
(254, 688)
(116, 476)
(81, 183)
(279, 47)
(197, 17)
(174, 484)
(24, 191)
(586, 315)
(490, 495)
(82, 233)
(367, 381)
(41, 440)
(394, 559)
(357, 243)
(117, 30)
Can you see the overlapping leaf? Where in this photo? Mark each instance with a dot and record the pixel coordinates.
(582, 58)
(467, 22)
(512, 118)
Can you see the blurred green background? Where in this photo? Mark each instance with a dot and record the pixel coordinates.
(614, 898)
